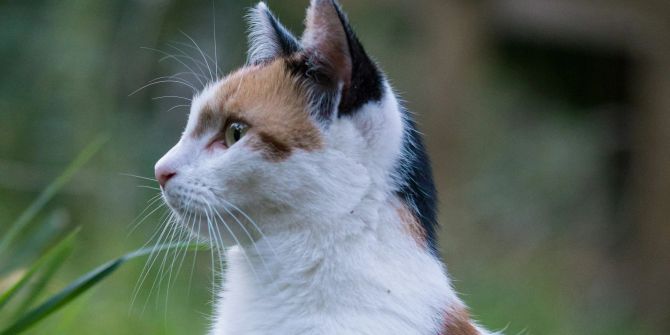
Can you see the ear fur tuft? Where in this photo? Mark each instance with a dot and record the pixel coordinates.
(268, 38)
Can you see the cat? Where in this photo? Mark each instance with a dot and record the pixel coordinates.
(304, 164)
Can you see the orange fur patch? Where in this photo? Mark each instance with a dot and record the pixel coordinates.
(458, 323)
(412, 225)
(269, 100)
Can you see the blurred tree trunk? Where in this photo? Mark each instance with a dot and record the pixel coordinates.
(450, 65)
(651, 247)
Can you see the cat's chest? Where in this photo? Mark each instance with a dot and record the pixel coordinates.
(366, 319)
(380, 297)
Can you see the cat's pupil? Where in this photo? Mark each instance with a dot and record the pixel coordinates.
(234, 132)
(237, 132)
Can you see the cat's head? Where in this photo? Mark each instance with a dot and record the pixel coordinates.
(308, 127)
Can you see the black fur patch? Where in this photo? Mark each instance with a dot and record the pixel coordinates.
(366, 80)
(417, 188)
(288, 43)
(299, 67)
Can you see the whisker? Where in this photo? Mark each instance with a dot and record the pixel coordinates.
(253, 243)
(236, 240)
(216, 60)
(189, 237)
(177, 232)
(175, 256)
(176, 76)
(183, 251)
(200, 77)
(157, 230)
(253, 223)
(172, 97)
(217, 235)
(168, 56)
(162, 82)
(170, 79)
(136, 176)
(201, 53)
(136, 225)
(149, 187)
(175, 107)
(190, 46)
(159, 279)
(195, 254)
(150, 261)
(198, 63)
(215, 242)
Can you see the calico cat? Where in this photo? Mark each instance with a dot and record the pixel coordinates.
(307, 167)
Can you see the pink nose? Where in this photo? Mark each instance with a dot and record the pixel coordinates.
(163, 175)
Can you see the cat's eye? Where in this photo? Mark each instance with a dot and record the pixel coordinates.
(234, 132)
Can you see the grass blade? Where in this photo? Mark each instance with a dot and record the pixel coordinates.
(85, 282)
(42, 280)
(59, 251)
(48, 193)
(45, 234)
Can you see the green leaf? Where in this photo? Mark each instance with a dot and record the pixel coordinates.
(49, 259)
(49, 192)
(85, 282)
(45, 234)
(43, 279)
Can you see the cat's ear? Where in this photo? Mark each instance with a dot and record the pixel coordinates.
(326, 44)
(337, 56)
(268, 38)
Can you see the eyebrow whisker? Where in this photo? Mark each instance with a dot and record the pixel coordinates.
(165, 81)
(177, 106)
(202, 67)
(172, 97)
(190, 46)
(201, 53)
(177, 59)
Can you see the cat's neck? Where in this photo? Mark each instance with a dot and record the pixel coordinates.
(364, 277)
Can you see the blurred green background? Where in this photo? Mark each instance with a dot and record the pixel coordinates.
(548, 123)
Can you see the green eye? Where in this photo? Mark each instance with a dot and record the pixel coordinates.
(234, 132)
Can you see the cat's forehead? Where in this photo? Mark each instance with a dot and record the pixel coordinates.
(266, 97)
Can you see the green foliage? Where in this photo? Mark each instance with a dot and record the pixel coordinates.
(83, 283)
(43, 269)
(24, 219)
(48, 263)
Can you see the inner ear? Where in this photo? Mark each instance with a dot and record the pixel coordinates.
(268, 38)
(326, 44)
(337, 61)
(366, 80)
